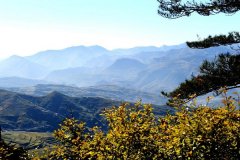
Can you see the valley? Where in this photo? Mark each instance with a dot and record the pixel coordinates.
(38, 92)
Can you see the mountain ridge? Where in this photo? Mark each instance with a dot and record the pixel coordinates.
(103, 91)
(30, 113)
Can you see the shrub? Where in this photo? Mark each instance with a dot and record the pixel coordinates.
(136, 133)
(10, 152)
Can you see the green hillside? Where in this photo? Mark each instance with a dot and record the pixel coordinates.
(28, 140)
(30, 113)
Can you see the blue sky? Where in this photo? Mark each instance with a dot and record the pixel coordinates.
(29, 26)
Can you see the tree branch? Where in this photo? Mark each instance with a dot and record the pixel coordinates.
(173, 9)
(219, 40)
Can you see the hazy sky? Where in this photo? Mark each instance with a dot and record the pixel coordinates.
(29, 26)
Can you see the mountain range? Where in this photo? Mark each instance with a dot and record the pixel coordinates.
(103, 91)
(148, 69)
(44, 113)
(39, 91)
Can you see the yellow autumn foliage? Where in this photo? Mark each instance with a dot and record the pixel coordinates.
(134, 132)
(11, 152)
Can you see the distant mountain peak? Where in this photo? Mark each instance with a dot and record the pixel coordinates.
(93, 47)
(127, 62)
(15, 58)
(23, 112)
(55, 94)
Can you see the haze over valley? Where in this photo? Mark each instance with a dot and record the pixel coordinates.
(79, 77)
(81, 81)
(148, 69)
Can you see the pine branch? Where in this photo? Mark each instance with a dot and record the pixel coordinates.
(231, 38)
(173, 9)
(224, 71)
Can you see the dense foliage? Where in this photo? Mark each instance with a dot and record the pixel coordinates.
(224, 71)
(136, 133)
(218, 40)
(10, 152)
(179, 8)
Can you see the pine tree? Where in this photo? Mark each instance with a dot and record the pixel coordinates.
(224, 70)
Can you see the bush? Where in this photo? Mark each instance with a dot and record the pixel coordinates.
(136, 133)
(10, 152)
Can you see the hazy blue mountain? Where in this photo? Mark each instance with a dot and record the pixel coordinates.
(19, 82)
(162, 70)
(124, 69)
(167, 77)
(170, 68)
(103, 91)
(30, 113)
(119, 75)
(180, 54)
(21, 67)
(69, 57)
(143, 49)
(126, 64)
(79, 76)
(146, 71)
(150, 69)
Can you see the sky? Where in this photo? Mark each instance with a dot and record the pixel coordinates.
(30, 26)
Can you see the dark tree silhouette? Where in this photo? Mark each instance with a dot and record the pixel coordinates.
(11, 152)
(224, 71)
(220, 40)
(178, 8)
